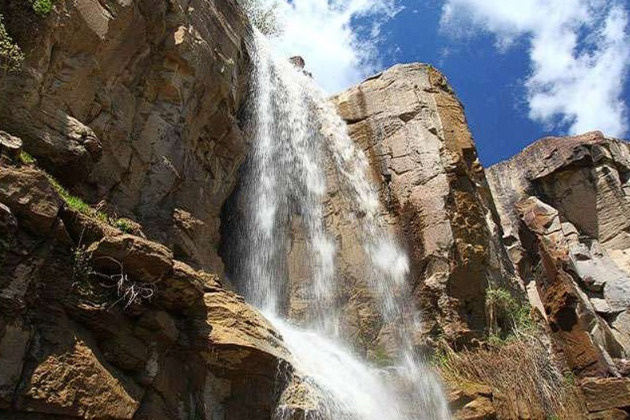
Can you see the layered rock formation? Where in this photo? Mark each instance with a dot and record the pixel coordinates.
(563, 204)
(96, 323)
(413, 129)
(134, 103)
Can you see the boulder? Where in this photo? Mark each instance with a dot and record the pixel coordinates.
(10, 146)
(143, 260)
(30, 197)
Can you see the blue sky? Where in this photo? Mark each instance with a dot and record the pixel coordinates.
(523, 69)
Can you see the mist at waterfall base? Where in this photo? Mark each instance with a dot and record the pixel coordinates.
(294, 131)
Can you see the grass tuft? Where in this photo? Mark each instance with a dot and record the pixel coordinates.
(522, 372)
(75, 202)
(26, 158)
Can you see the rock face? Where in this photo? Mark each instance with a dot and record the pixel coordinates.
(564, 205)
(75, 341)
(413, 129)
(135, 103)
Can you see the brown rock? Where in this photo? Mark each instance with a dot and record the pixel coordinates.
(614, 414)
(74, 382)
(478, 409)
(413, 130)
(563, 304)
(136, 103)
(606, 393)
(31, 198)
(14, 340)
(582, 180)
(143, 260)
(184, 289)
(10, 146)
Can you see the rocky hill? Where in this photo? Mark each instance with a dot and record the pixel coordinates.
(122, 139)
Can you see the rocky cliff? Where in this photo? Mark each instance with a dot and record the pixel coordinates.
(134, 103)
(563, 204)
(434, 190)
(118, 308)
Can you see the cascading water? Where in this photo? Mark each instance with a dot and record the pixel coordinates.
(294, 129)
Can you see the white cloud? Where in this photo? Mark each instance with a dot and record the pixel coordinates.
(321, 31)
(579, 52)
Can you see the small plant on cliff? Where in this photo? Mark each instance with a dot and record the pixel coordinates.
(123, 224)
(97, 286)
(11, 56)
(75, 202)
(507, 317)
(41, 7)
(26, 158)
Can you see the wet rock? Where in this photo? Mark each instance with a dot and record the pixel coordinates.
(413, 130)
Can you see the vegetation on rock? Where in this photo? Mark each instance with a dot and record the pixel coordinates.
(11, 56)
(508, 319)
(522, 374)
(41, 7)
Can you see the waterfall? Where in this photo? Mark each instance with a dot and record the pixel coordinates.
(295, 131)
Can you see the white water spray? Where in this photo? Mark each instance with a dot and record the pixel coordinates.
(294, 129)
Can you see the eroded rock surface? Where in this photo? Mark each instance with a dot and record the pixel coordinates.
(74, 342)
(583, 185)
(135, 103)
(413, 129)
(563, 204)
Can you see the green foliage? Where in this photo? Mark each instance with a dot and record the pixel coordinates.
(507, 316)
(123, 224)
(75, 202)
(11, 56)
(26, 158)
(263, 15)
(41, 7)
(569, 378)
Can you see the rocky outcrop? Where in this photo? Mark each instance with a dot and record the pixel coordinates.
(95, 323)
(413, 129)
(564, 201)
(134, 103)
(563, 204)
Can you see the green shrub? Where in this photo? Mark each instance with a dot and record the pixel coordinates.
(123, 224)
(507, 317)
(75, 202)
(26, 158)
(41, 7)
(11, 56)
